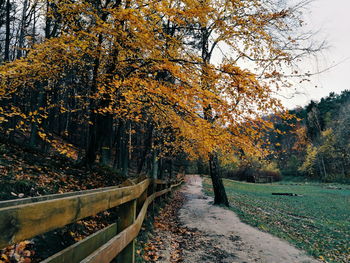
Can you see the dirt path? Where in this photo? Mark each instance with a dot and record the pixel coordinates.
(191, 230)
(224, 238)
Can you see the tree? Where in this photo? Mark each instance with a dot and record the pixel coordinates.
(110, 66)
(315, 143)
(7, 29)
(258, 31)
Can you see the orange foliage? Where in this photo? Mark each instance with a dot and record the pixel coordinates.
(130, 45)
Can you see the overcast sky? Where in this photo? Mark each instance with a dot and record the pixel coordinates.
(332, 18)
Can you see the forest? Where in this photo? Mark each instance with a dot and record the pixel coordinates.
(316, 145)
(130, 85)
(121, 98)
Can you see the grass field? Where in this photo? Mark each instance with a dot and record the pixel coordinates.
(318, 221)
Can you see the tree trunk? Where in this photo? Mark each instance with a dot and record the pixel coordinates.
(52, 20)
(170, 167)
(91, 147)
(220, 197)
(161, 168)
(34, 26)
(122, 151)
(146, 149)
(104, 134)
(105, 128)
(48, 21)
(7, 37)
(22, 30)
(125, 151)
(155, 165)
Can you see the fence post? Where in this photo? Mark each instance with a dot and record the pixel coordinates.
(141, 200)
(126, 217)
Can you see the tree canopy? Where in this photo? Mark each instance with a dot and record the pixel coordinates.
(103, 73)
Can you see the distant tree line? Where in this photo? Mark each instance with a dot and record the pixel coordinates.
(317, 143)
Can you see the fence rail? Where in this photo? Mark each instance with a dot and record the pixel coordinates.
(29, 217)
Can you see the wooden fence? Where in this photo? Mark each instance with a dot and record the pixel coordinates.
(25, 218)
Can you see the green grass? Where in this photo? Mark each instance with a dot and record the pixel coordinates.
(318, 221)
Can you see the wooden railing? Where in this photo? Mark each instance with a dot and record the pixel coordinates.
(29, 217)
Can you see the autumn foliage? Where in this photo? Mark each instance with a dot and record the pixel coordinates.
(139, 61)
(130, 84)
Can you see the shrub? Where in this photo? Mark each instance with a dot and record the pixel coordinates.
(250, 173)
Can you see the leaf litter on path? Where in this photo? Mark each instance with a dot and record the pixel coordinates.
(169, 235)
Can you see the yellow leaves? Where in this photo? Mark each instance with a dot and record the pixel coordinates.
(42, 135)
(65, 149)
(59, 145)
(145, 72)
(3, 119)
(302, 140)
(33, 113)
(328, 132)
